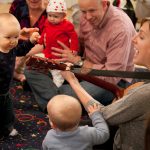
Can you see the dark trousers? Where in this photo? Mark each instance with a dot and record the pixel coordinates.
(7, 116)
(44, 89)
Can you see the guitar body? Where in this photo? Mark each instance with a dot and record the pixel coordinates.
(128, 89)
(133, 86)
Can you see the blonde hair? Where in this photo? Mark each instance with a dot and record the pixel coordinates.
(64, 112)
(7, 18)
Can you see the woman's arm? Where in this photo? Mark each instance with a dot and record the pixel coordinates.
(85, 98)
(119, 112)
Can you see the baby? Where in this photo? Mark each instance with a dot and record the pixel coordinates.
(64, 116)
(57, 28)
(9, 49)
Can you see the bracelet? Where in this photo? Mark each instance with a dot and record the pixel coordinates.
(91, 102)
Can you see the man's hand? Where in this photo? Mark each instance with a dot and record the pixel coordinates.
(87, 67)
(65, 54)
(25, 33)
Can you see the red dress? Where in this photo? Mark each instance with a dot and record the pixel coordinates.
(63, 32)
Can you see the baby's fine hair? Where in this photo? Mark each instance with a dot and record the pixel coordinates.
(7, 18)
(64, 111)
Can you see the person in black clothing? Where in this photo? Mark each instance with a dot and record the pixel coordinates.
(9, 34)
(128, 9)
(30, 14)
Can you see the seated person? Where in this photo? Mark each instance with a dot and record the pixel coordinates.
(130, 112)
(102, 51)
(30, 14)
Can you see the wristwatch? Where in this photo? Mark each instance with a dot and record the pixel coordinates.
(80, 62)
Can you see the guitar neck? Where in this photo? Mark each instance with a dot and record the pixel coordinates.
(44, 63)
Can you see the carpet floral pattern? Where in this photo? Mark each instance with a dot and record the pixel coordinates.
(31, 123)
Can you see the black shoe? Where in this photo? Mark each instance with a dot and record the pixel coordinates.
(26, 86)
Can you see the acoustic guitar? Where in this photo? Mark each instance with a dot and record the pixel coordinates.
(43, 65)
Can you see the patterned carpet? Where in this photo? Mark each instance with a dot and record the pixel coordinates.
(31, 123)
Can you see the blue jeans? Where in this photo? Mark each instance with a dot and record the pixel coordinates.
(44, 89)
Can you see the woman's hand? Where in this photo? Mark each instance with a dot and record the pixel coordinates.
(25, 33)
(65, 54)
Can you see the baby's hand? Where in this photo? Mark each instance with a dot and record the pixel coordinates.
(93, 108)
(25, 33)
(34, 38)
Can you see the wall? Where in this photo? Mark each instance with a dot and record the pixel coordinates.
(4, 7)
(70, 3)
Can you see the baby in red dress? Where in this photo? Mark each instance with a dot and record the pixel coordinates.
(57, 28)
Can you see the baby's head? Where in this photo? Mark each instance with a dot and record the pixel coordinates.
(64, 112)
(9, 32)
(56, 11)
